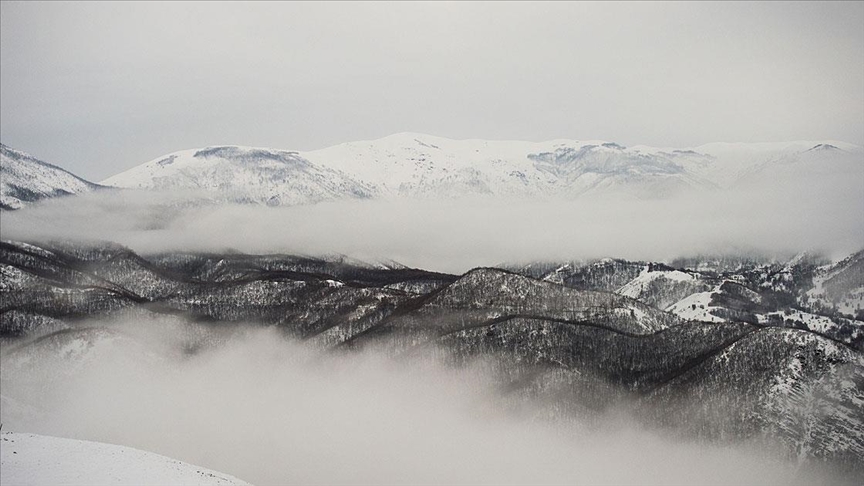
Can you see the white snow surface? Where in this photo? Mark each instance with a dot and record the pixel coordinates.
(275, 177)
(696, 307)
(634, 287)
(418, 165)
(38, 460)
(24, 178)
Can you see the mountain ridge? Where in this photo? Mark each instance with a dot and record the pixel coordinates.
(423, 166)
(25, 179)
(416, 165)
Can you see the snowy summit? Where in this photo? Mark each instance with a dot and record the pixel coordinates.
(418, 165)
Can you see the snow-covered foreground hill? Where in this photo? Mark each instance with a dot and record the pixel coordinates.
(38, 460)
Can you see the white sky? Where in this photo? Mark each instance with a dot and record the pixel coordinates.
(100, 87)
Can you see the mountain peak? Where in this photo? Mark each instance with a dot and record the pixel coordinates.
(243, 174)
(25, 179)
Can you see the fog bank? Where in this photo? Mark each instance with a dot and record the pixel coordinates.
(271, 411)
(456, 235)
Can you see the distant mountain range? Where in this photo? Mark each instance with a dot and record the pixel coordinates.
(424, 166)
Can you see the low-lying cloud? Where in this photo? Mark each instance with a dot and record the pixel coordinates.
(271, 411)
(455, 235)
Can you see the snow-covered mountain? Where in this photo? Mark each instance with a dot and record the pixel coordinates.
(274, 177)
(840, 287)
(417, 165)
(24, 178)
(802, 292)
(425, 166)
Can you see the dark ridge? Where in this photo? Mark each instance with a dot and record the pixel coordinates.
(231, 152)
(823, 146)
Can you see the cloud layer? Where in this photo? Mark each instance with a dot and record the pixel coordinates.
(455, 235)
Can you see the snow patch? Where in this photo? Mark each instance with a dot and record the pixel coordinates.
(696, 307)
(29, 459)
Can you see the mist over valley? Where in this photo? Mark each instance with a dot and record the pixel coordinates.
(431, 243)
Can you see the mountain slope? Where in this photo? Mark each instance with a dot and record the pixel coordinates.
(409, 164)
(25, 179)
(840, 286)
(802, 292)
(29, 459)
(274, 177)
(68, 308)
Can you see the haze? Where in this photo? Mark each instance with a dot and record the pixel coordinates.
(774, 216)
(99, 87)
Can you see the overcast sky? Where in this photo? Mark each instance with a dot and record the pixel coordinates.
(100, 87)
